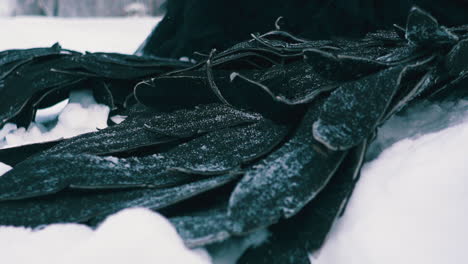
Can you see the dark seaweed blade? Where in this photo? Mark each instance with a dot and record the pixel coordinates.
(341, 67)
(404, 54)
(138, 61)
(103, 65)
(373, 46)
(12, 56)
(45, 175)
(248, 94)
(284, 182)
(290, 49)
(202, 119)
(265, 47)
(414, 79)
(227, 149)
(170, 93)
(457, 60)
(79, 207)
(32, 80)
(303, 84)
(279, 92)
(102, 94)
(351, 113)
(453, 89)
(15, 155)
(259, 58)
(422, 29)
(294, 239)
(55, 95)
(128, 136)
(23, 114)
(275, 99)
(201, 221)
(276, 250)
(387, 38)
(204, 228)
(131, 135)
(295, 83)
(218, 152)
(313, 224)
(121, 90)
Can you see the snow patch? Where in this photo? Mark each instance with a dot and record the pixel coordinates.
(81, 115)
(122, 35)
(130, 236)
(118, 119)
(4, 168)
(410, 204)
(420, 119)
(7, 7)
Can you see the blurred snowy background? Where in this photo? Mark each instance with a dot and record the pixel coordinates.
(82, 8)
(84, 25)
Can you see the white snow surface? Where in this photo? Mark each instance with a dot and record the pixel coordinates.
(80, 115)
(6, 7)
(130, 236)
(410, 205)
(122, 35)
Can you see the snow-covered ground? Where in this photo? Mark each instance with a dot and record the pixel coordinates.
(410, 206)
(122, 35)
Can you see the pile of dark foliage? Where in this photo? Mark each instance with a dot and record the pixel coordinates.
(201, 25)
(270, 132)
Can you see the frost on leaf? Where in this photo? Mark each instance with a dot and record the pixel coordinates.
(201, 119)
(284, 182)
(352, 111)
(226, 149)
(422, 29)
(82, 206)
